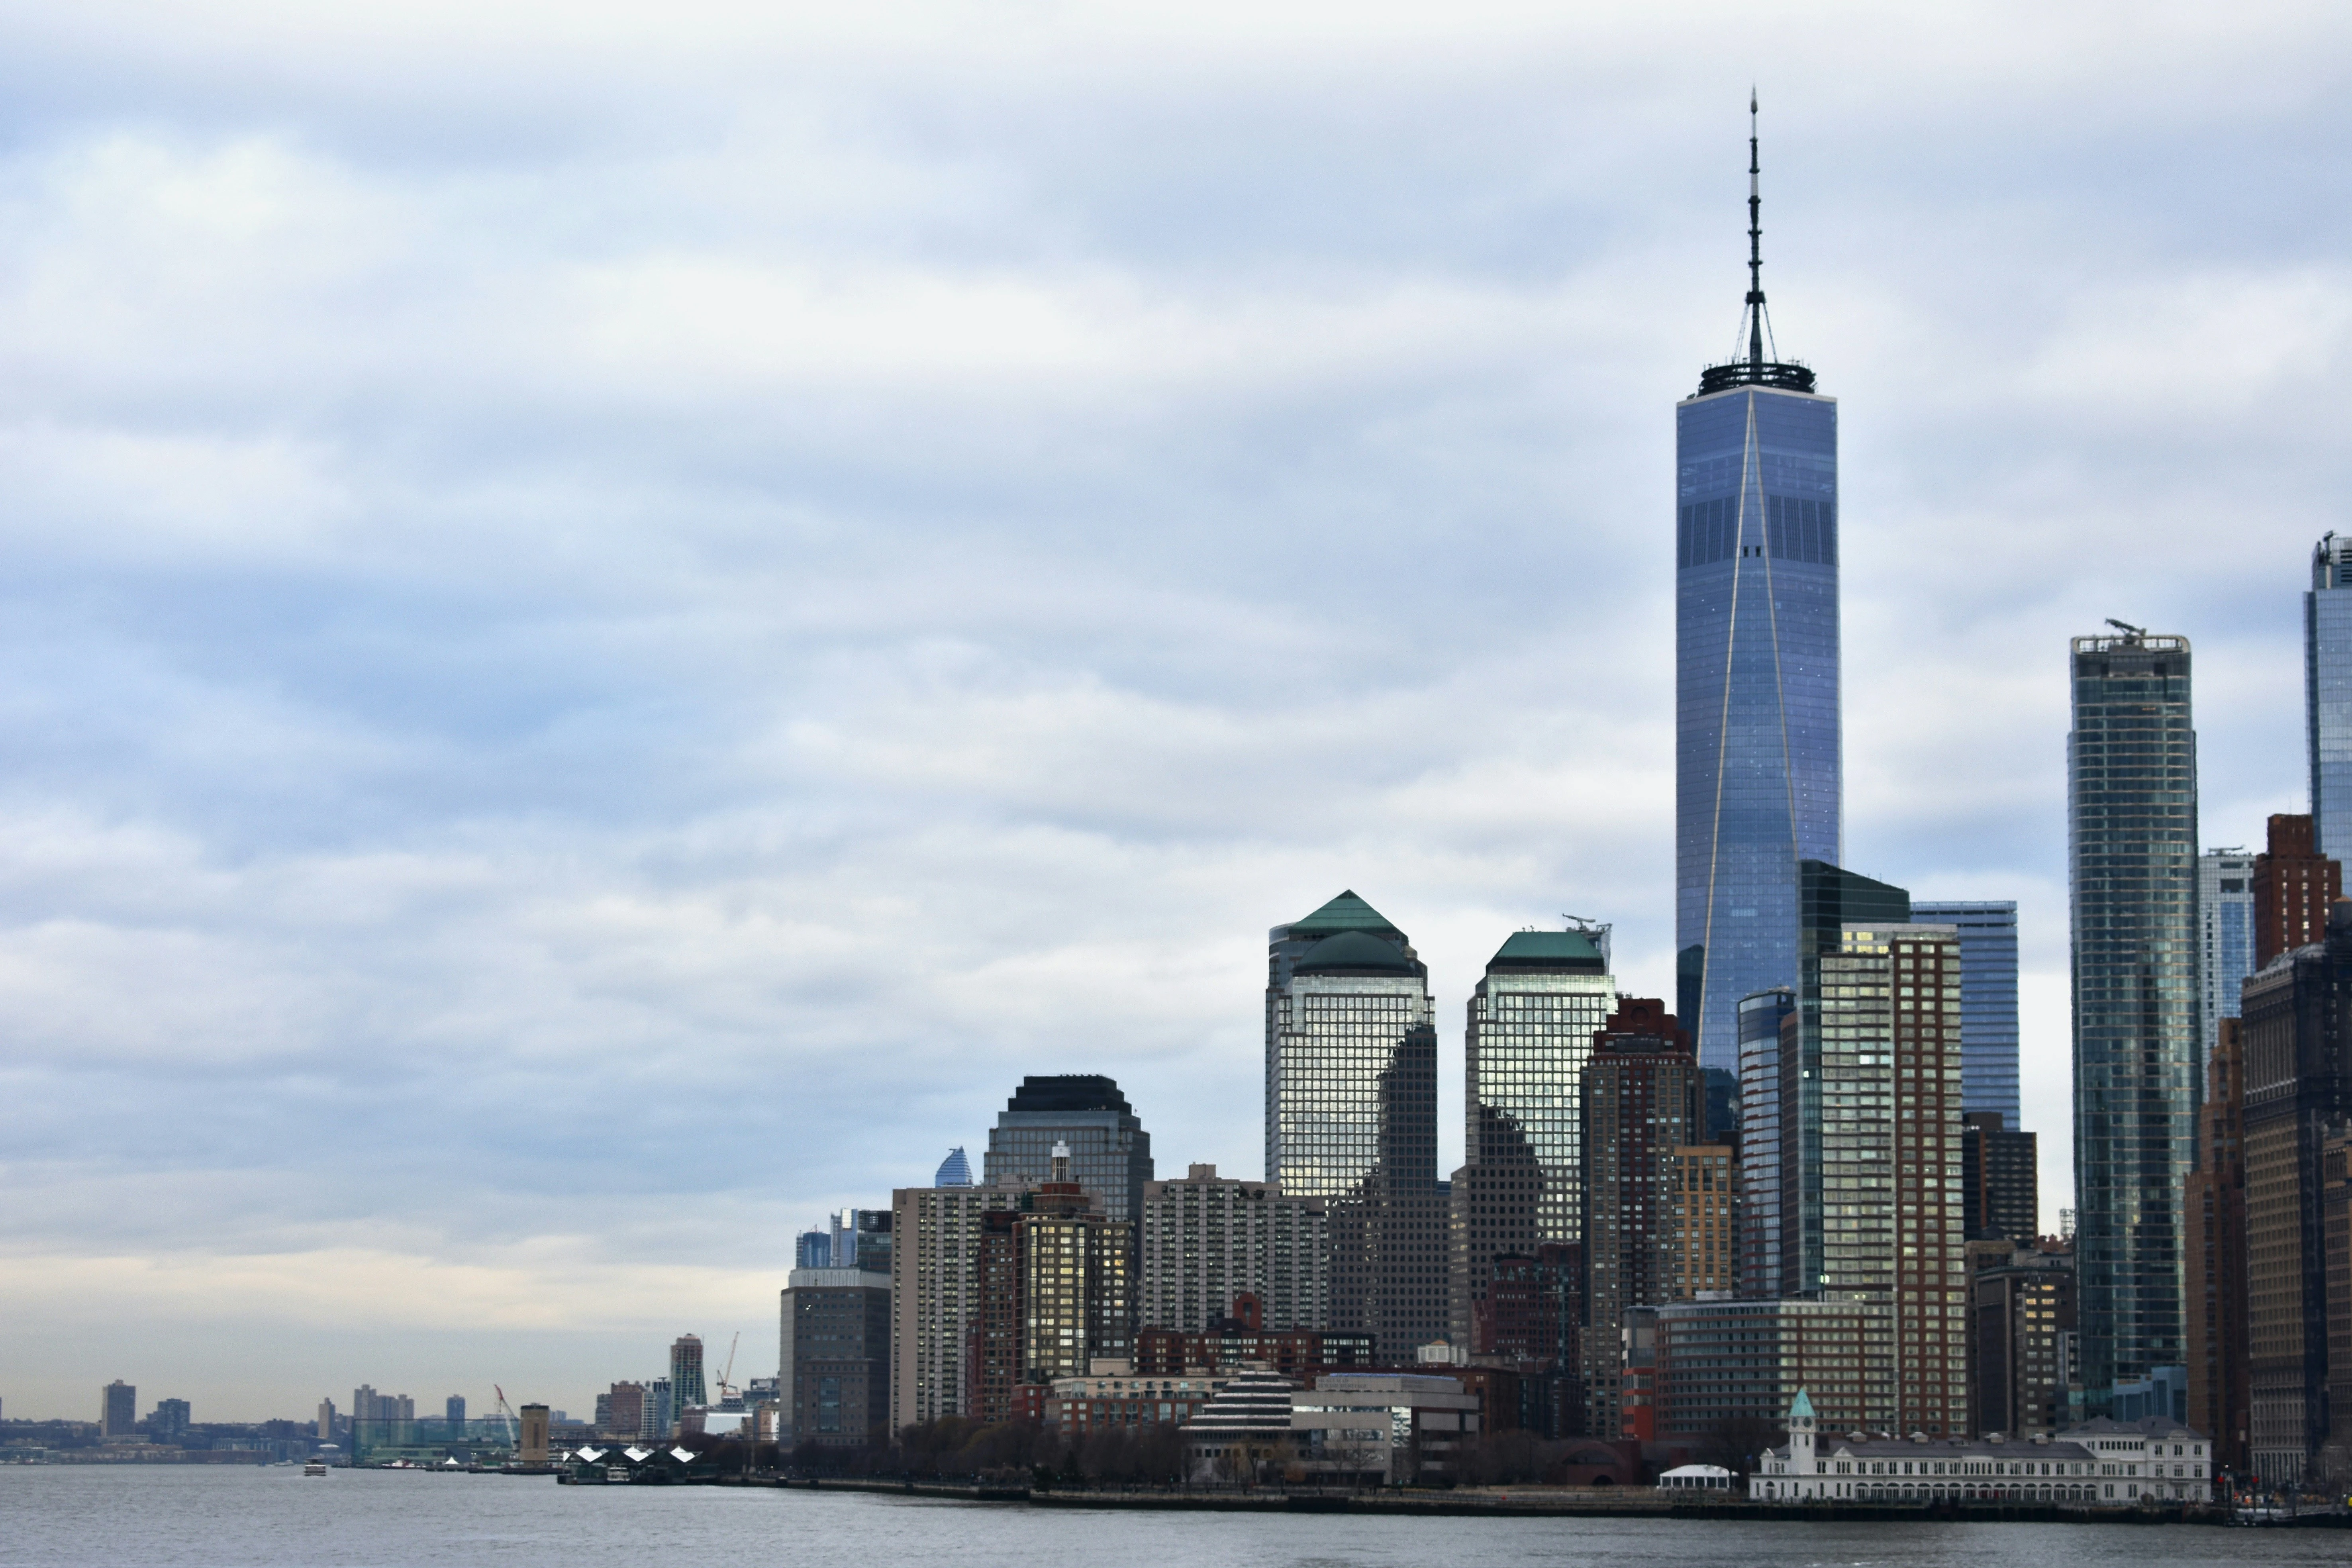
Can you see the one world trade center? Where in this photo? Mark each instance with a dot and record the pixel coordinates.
(1757, 750)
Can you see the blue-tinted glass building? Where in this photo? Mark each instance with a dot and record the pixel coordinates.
(1757, 766)
(1988, 1000)
(2327, 693)
(2131, 788)
(2225, 936)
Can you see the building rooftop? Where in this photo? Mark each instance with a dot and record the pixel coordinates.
(1354, 951)
(1568, 950)
(1346, 912)
(1068, 1091)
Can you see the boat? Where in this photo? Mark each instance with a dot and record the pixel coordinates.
(315, 1468)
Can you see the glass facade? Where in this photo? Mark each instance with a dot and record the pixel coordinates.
(1988, 999)
(1756, 752)
(2225, 938)
(1761, 1064)
(2131, 765)
(1110, 1153)
(1530, 1032)
(2328, 692)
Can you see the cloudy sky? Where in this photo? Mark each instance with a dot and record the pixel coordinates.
(619, 615)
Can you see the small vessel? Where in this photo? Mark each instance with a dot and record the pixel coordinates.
(315, 1468)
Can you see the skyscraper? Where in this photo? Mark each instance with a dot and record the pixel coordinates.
(2131, 788)
(1352, 1114)
(2292, 887)
(1531, 1021)
(1767, 1072)
(686, 1372)
(955, 1171)
(2225, 940)
(1209, 1239)
(2216, 1229)
(2328, 692)
(1988, 999)
(1108, 1148)
(118, 1409)
(1757, 767)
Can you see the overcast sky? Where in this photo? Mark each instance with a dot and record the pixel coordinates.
(618, 617)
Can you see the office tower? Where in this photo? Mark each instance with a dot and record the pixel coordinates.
(1766, 1019)
(1534, 1309)
(1884, 1066)
(601, 1421)
(859, 1239)
(832, 1382)
(1208, 1238)
(954, 1171)
(624, 1409)
(1531, 1021)
(2225, 938)
(1352, 1114)
(685, 1384)
(2000, 1189)
(118, 1409)
(661, 1408)
(935, 1295)
(2131, 784)
(2215, 1210)
(2336, 1229)
(1757, 767)
(453, 1414)
(1640, 1099)
(2298, 1083)
(2021, 1320)
(1109, 1150)
(2292, 888)
(326, 1421)
(1724, 1364)
(813, 1249)
(168, 1421)
(2327, 693)
(1988, 999)
(1700, 1219)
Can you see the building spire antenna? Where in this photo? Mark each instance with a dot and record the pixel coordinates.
(1755, 246)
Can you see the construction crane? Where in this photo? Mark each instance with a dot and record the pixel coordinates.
(506, 1412)
(727, 1394)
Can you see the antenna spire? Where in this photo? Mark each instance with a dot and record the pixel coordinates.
(1755, 247)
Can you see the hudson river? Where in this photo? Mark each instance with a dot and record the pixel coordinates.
(248, 1518)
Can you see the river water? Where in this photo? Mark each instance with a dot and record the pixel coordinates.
(262, 1518)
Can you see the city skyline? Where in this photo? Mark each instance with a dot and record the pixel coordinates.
(519, 624)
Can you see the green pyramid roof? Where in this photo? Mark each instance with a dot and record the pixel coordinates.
(1354, 950)
(1346, 912)
(1552, 950)
(1803, 1406)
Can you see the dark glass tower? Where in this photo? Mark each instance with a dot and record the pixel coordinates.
(2328, 692)
(1758, 765)
(2131, 793)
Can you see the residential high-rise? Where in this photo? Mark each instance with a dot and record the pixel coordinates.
(1988, 999)
(1723, 1365)
(1642, 1102)
(1757, 781)
(1076, 1280)
(2225, 939)
(1700, 1220)
(118, 1409)
(2215, 1210)
(935, 1295)
(661, 1408)
(168, 1421)
(1352, 1114)
(685, 1384)
(1767, 1053)
(2298, 1077)
(833, 1382)
(2328, 692)
(1209, 1239)
(2131, 765)
(2000, 1189)
(2293, 885)
(2021, 1322)
(1881, 1011)
(859, 1239)
(1109, 1150)
(624, 1409)
(453, 1414)
(1531, 1021)
(326, 1421)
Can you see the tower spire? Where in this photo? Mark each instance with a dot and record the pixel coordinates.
(1755, 246)
(1749, 366)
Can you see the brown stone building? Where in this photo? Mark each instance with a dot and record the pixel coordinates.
(2215, 1211)
(2294, 884)
(2020, 1330)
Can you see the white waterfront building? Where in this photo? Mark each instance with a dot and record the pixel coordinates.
(2116, 1464)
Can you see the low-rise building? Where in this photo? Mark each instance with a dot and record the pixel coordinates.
(1245, 1426)
(1113, 1395)
(1387, 1426)
(2102, 1463)
(1242, 1339)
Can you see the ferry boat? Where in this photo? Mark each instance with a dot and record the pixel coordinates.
(315, 1468)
